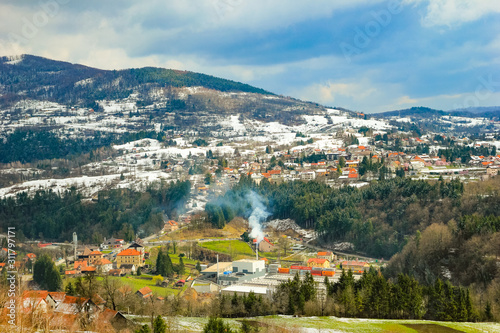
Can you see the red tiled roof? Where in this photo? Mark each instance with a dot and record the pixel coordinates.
(106, 315)
(75, 300)
(89, 269)
(265, 239)
(103, 262)
(317, 260)
(79, 263)
(145, 291)
(58, 296)
(129, 252)
(35, 294)
(94, 253)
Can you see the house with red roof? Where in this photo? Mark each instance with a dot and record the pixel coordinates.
(170, 226)
(265, 245)
(112, 243)
(89, 269)
(79, 264)
(95, 256)
(129, 257)
(355, 266)
(113, 318)
(144, 292)
(318, 262)
(326, 255)
(66, 312)
(30, 256)
(104, 265)
(37, 301)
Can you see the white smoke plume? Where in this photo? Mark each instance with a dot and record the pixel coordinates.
(257, 216)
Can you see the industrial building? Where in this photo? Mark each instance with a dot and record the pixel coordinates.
(243, 270)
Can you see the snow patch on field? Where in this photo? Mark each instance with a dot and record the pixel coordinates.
(84, 82)
(233, 122)
(88, 186)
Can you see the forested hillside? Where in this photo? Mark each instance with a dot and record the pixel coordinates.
(66, 83)
(378, 218)
(51, 216)
(455, 221)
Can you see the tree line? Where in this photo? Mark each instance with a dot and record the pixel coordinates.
(372, 296)
(124, 213)
(29, 145)
(377, 219)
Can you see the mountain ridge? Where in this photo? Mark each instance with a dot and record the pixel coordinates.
(60, 80)
(422, 111)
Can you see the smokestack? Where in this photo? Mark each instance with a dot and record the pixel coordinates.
(257, 251)
(75, 242)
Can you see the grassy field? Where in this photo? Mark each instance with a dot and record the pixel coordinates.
(138, 282)
(233, 229)
(235, 248)
(336, 325)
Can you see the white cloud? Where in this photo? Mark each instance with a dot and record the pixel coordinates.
(335, 92)
(455, 12)
(406, 100)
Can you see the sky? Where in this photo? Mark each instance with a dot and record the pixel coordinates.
(363, 55)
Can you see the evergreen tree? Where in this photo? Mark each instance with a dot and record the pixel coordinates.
(308, 288)
(470, 310)
(169, 267)
(159, 325)
(46, 274)
(217, 325)
(181, 266)
(70, 289)
(143, 329)
(341, 162)
(461, 305)
(198, 266)
(160, 264)
(487, 312)
(291, 305)
(437, 301)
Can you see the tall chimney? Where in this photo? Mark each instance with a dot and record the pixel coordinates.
(257, 251)
(75, 243)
